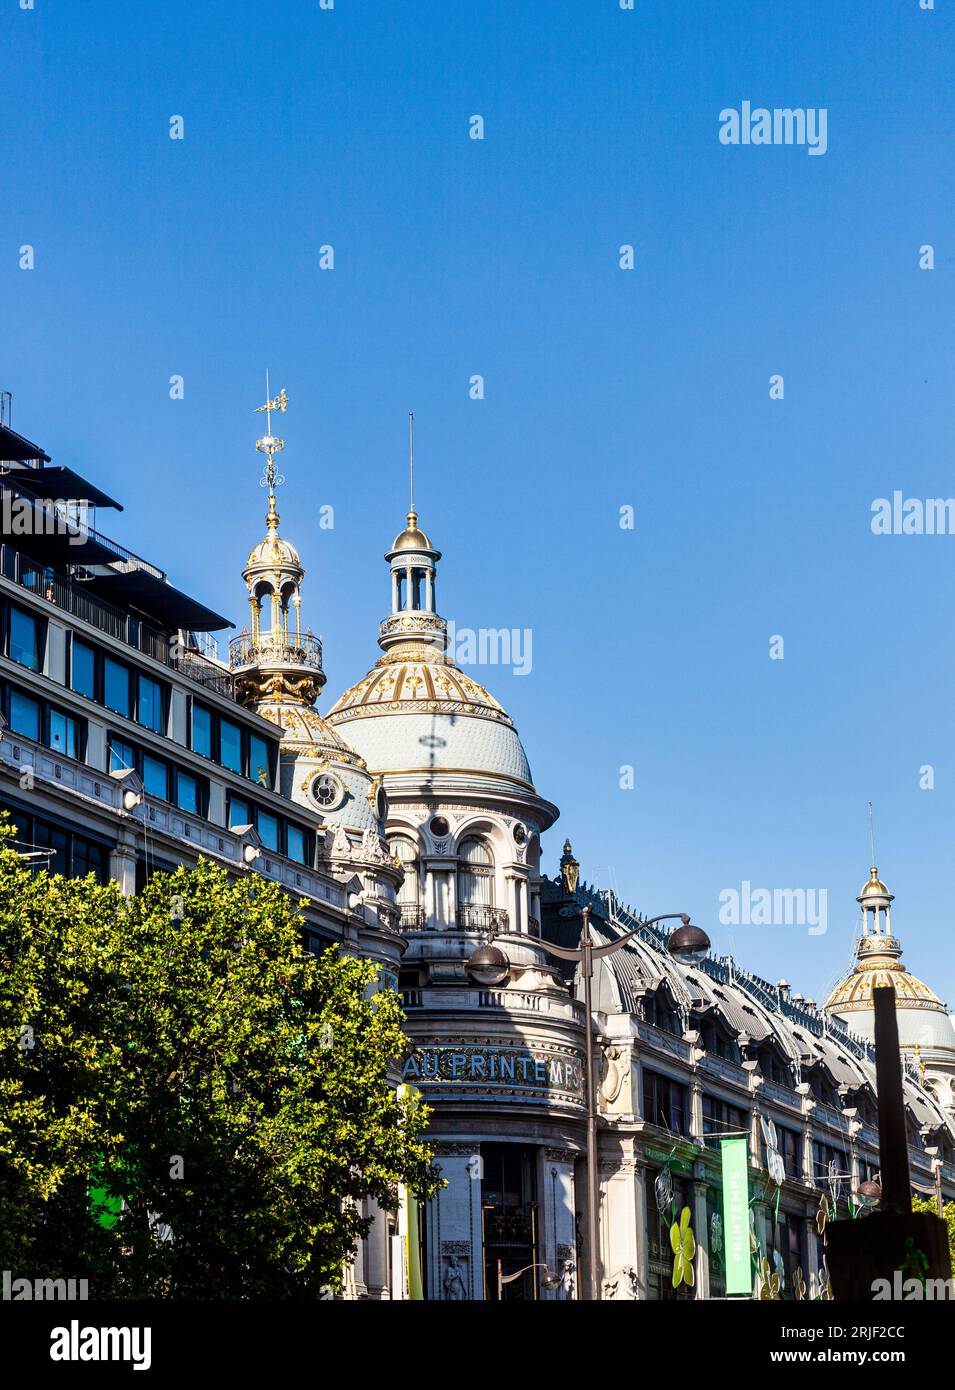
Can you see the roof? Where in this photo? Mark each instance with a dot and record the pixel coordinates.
(61, 484)
(14, 448)
(167, 607)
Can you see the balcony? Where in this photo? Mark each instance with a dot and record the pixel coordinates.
(480, 918)
(411, 916)
(267, 650)
(73, 598)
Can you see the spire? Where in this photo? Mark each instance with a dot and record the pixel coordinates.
(274, 658)
(413, 619)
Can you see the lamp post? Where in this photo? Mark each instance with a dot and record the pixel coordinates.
(687, 943)
(548, 1279)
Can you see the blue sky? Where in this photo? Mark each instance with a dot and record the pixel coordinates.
(604, 387)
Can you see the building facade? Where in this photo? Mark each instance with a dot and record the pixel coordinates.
(406, 823)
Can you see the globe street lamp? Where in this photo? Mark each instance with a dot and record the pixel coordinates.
(548, 1280)
(687, 944)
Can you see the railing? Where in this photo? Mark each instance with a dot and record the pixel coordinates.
(479, 918)
(388, 916)
(71, 596)
(533, 926)
(410, 916)
(256, 651)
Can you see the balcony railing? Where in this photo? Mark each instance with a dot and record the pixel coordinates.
(246, 650)
(479, 918)
(411, 916)
(71, 596)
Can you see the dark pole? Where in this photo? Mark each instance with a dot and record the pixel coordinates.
(893, 1149)
(587, 970)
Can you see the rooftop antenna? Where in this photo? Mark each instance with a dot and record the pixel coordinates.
(411, 453)
(873, 860)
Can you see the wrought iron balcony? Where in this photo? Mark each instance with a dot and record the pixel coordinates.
(479, 918)
(411, 916)
(267, 648)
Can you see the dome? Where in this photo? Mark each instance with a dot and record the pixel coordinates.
(416, 711)
(412, 537)
(874, 888)
(274, 553)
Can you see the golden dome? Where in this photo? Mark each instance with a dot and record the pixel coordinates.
(855, 991)
(412, 537)
(275, 553)
(419, 680)
(874, 887)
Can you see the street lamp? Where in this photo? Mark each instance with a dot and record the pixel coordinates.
(687, 943)
(548, 1280)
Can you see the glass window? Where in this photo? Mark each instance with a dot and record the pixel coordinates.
(295, 840)
(230, 745)
(259, 760)
(48, 836)
(116, 686)
(24, 638)
(155, 776)
(240, 812)
(83, 670)
(24, 715)
(476, 876)
(151, 712)
(268, 827)
(202, 730)
(405, 852)
(122, 755)
(187, 793)
(88, 858)
(63, 733)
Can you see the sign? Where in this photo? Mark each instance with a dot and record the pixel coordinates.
(549, 1072)
(739, 1277)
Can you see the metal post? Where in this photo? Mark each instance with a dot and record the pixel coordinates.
(937, 1165)
(893, 1149)
(587, 970)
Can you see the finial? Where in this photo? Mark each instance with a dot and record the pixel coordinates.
(411, 461)
(872, 841)
(269, 444)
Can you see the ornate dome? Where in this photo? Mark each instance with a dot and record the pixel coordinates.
(274, 553)
(412, 537)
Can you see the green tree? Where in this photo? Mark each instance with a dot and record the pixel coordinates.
(179, 1049)
(948, 1215)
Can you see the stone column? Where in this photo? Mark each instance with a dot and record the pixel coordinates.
(455, 1244)
(699, 1188)
(376, 1253)
(122, 862)
(555, 1235)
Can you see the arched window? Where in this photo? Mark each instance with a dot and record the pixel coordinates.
(409, 891)
(476, 875)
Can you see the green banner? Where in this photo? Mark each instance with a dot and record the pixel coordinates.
(736, 1216)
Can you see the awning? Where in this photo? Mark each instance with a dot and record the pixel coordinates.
(14, 447)
(44, 537)
(157, 601)
(61, 484)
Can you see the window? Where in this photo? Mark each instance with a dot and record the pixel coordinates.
(24, 715)
(155, 774)
(268, 827)
(240, 812)
(151, 710)
(405, 852)
(230, 745)
(116, 686)
(719, 1117)
(70, 854)
(659, 1251)
(63, 737)
(83, 670)
(51, 837)
(202, 730)
(790, 1149)
(122, 755)
(295, 839)
(24, 645)
(89, 858)
(187, 793)
(259, 760)
(664, 1102)
(476, 875)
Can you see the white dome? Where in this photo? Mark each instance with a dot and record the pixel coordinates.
(436, 741)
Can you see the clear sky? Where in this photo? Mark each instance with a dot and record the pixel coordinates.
(604, 388)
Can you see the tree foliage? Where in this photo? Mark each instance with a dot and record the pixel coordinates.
(948, 1216)
(181, 1051)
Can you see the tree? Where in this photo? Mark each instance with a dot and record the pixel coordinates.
(948, 1216)
(181, 1051)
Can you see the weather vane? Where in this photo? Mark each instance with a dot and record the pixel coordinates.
(269, 444)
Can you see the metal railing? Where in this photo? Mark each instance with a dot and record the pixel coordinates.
(411, 916)
(480, 918)
(73, 598)
(246, 650)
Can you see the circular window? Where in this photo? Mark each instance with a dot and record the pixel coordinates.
(327, 791)
(381, 804)
(520, 834)
(440, 827)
